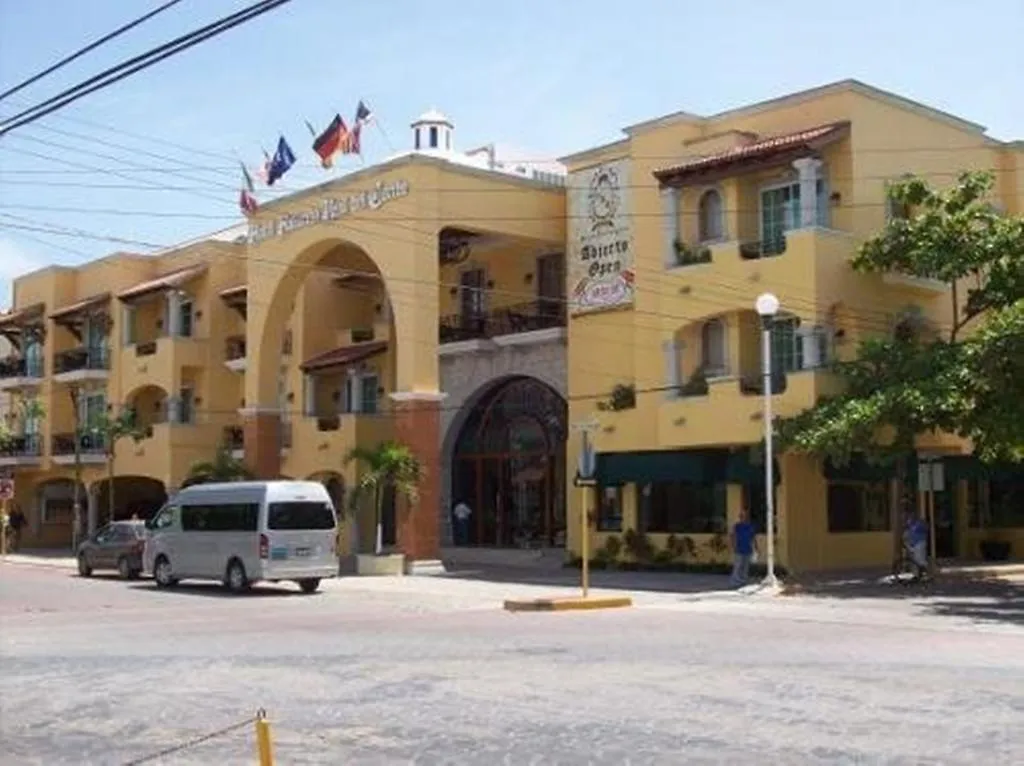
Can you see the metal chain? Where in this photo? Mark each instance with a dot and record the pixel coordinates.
(192, 742)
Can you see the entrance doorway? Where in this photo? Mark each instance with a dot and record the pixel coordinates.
(509, 467)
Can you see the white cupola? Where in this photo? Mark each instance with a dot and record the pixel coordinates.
(432, 132)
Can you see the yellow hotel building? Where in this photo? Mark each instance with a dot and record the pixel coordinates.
(477, 307)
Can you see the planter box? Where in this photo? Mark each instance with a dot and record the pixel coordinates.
(388, 565)
(995, 550)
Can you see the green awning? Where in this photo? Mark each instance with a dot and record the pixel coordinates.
(710, 466)
(969, 467)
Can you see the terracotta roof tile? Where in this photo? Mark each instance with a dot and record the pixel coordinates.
(82, 305)
(338, 357)
(167, 281)
(757, 150)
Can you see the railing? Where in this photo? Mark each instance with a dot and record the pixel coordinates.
(82, 358)
(234, 438)
(235, 348)
(27, 445)
(753, 384)
(89, 444)
(19, 367)
(509, 320)
(752, 251)
(328, 422)
(145, 349)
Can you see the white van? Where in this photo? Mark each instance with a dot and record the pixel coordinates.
(244, 532)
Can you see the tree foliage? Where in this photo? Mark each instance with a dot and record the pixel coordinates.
(969, 380)
(224, 467)
(389, 465)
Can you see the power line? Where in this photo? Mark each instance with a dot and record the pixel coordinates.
(82, 51)
(127, 68)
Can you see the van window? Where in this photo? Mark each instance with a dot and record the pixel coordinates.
(300, 515)
(230, 517)
(164, 519)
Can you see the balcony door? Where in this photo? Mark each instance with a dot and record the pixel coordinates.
(550, 284)
(472, 297)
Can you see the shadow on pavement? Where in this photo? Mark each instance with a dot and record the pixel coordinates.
(216, 590)
(983, 597)
(653, 582)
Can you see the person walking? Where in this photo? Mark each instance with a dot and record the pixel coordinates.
(461, 514)
(16, 521)
(743, 541)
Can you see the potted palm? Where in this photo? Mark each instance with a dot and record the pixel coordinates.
(390, 466)
(223, 467)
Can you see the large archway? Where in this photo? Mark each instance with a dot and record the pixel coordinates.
(134, 496)
(508, 466)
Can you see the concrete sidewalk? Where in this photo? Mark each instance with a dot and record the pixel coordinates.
(60, 559)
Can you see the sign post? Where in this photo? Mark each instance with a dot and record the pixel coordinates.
(585, 470)
(931, 478)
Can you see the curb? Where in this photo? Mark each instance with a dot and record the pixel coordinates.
(40, 563)
(567, 604)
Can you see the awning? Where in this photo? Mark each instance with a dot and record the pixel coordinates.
(345, 355)
(167, 282)
(13, 323)
(81, 307)
(239, 292)
(969, 467)
(732, 160)
(700, 466)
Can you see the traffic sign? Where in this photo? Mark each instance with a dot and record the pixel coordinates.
(6, 489)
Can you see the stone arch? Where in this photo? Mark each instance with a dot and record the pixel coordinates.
(485, 434)
(140, 496)
(149, 402)
(711, 215)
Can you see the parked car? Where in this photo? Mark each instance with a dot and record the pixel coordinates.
(117, 546)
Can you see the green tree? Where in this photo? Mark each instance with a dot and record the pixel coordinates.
(224, 467)
(388, 466)
(968, 380)
(111, 429)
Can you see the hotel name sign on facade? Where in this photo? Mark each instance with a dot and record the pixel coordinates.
(330, 209)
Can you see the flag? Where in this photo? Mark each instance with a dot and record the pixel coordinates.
(281, 163)
(264, 170)
(247, 202)
(331, 141)
(352, 146)
(247, 179)
(363, 114)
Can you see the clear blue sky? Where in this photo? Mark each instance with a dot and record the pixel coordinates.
(548, 76)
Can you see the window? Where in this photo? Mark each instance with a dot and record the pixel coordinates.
(472, 293)
(33, 358)
(417, 138)
(368, 394)
(186, 405)
(858, 507)
(185, 323)
(1003, 504)
(681, 507)
(165, 518)
(349, 400)
(787, 345)
(229, 517)
(433, 136)
(92, 409)
(713, 353)
(709, 211)
(298, 515)
(609, 509)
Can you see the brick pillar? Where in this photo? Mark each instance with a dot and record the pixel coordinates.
(262, 433)
(417, 425)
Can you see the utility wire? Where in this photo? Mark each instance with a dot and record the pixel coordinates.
(90, 47)
(127, 68)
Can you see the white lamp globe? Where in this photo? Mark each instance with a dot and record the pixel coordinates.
(767, 305)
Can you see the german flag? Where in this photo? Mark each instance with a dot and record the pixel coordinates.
(333, 139)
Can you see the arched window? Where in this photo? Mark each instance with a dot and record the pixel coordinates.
(713, 353)
(709, 212)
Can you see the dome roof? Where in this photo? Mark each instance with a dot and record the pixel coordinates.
(432, 116)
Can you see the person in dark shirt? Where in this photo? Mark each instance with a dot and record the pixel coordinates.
(17, 523)
(743, 539)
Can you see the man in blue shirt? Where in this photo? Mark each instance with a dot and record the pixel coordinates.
(915, 538)
(743, 540)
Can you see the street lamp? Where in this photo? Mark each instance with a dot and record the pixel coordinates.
(767, 306)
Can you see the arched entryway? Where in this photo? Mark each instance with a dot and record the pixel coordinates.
(508, 466)
(52, 520)
(140, 496)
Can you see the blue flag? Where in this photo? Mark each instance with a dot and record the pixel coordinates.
(282, 161)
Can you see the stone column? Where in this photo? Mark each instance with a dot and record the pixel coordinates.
(808, 170)
(173, 313)
(670, 224)
(673, 378)
(418, 426)
(262, 429)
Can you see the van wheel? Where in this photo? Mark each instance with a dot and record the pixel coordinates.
(84, 570)
(235, 578)
(310, 584)
(162, 573)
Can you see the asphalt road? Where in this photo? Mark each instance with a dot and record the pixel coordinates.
(430, 671)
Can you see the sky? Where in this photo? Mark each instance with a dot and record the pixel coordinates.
(154, 159)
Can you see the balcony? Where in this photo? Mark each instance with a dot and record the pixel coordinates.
(26, 449)
(155, 362)
(753, 251)
(91, 449)
(19, 372)
(521, 324)
(81, 364)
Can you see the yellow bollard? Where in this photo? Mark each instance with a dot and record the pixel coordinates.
(263, 745)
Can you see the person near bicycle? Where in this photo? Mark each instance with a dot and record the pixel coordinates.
(915, 540)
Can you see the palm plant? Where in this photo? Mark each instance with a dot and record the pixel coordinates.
(223, 467)
(111, 429)
(389, 465)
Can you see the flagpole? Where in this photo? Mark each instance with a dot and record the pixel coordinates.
(376, 121)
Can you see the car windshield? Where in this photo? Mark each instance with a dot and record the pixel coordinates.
(300, 515)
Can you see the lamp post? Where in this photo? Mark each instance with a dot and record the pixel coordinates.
(585, 479)
(767, 306)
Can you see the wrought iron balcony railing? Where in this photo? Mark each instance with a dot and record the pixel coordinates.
(20, 367)
(82, 358)
(508, 320)
(25, 445)
(89, 444)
